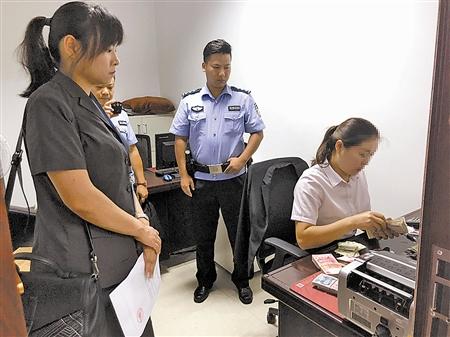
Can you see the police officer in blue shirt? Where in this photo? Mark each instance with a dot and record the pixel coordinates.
(213, 119)
(104, 95)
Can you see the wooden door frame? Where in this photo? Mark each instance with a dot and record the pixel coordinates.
(435, 228)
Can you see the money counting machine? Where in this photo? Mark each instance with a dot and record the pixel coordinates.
(376, 292)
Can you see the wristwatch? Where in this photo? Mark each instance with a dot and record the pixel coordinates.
(142, 216)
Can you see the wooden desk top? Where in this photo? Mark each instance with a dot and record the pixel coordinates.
(304, 267)
(278, 283)
(157, 184)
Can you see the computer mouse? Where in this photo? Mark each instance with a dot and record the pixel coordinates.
(167, 177)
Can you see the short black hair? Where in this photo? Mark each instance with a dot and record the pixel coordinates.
(218, 46)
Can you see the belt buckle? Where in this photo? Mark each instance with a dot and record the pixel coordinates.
(215, 169)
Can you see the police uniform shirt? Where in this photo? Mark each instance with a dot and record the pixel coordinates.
(122, 123)
(64, 130)
(322, 197)
(215, 126)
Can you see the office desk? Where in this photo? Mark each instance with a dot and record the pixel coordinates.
(300, 317)
(156, 185)
(174, 212)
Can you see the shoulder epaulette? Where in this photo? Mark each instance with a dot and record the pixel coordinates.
(191, 92)
(241, 90)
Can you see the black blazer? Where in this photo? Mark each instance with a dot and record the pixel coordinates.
(255, 223)
(66, 130)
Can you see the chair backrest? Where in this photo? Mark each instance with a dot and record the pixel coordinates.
(277, 190)
(145, 150)
(266, 207)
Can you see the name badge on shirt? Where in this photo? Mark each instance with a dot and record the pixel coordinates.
(123, 123)
(197, 108)
(257, 110)
(234, 108)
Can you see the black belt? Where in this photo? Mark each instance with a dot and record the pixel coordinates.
(211, 169)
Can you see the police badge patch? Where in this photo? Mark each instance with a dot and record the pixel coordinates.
(197, 108)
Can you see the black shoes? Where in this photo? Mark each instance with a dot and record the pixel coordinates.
(200, 294)
(245, 295)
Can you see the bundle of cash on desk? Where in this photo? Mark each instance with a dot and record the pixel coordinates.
(394, 226)
(412, 251)
(349, 248)
(327, 263)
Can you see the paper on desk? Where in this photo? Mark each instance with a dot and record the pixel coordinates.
(134, 298)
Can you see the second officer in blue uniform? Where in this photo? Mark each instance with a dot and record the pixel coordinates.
(214, 119)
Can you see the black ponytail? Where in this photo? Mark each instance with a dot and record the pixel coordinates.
(351, 132)
(326, 147)
(35, 56)
(92, 25)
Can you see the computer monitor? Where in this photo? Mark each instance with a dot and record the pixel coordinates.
(165, 151)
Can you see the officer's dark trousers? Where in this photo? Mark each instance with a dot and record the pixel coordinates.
(207, 199)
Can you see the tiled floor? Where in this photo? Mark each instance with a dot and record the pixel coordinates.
(222, 314)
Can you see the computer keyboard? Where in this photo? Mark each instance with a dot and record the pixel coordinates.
(170, 170)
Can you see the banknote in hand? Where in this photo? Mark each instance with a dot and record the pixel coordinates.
(397, 225)
(393, 226)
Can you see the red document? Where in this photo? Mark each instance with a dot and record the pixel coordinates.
(306, 289)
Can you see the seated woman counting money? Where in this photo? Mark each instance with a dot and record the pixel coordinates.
(331, 198)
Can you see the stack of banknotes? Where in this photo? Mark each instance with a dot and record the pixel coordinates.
(349, 248)
(327, 283)
(394, 227)
(327, 263)
(412, 251)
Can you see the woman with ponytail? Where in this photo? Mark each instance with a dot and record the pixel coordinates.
(331, 198)
(74, 151)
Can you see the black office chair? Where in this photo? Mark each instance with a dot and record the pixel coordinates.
(265, 228)
(145, 150)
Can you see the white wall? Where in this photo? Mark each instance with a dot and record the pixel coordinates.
(312, 64)
(183, 29)
(137, 73)
(309, 64)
